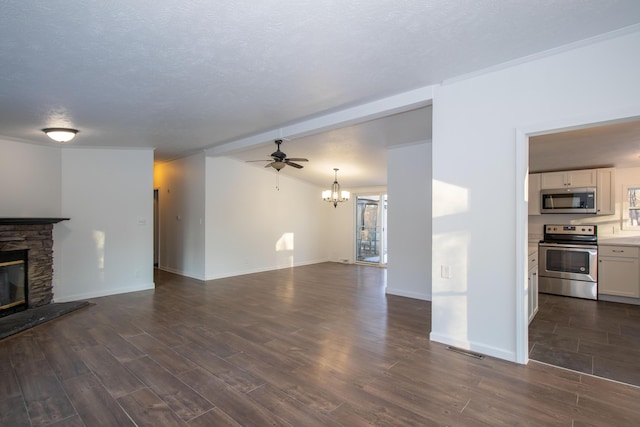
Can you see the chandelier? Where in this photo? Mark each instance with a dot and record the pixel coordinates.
(335, 195)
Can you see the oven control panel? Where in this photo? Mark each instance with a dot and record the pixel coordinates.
(581, 230)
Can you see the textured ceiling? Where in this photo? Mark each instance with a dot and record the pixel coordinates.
(181, 76)
(616, 144)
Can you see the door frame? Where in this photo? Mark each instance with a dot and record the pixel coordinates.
(522, 208)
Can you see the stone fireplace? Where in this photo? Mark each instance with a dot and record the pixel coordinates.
(34, 236)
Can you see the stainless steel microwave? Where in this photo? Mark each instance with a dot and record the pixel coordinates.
(568, 200)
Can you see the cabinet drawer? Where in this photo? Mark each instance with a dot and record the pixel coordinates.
(533, 261)
(619, 251)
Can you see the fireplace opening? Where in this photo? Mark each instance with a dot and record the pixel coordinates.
(13, 281)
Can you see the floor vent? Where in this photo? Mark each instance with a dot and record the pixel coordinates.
(466, 352)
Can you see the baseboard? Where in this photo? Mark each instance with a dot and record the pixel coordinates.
(474, 346)
(181, 273)
(263, 269)
(103, 293)
(623, 300)
(408, 294)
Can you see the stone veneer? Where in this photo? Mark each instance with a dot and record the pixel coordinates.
(35, 234)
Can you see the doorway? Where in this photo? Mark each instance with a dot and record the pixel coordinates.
(156, 228)
(371, 229)
(595, 337)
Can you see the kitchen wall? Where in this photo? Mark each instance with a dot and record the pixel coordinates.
(480, 125)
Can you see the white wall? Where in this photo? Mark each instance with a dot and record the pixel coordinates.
(341, 228)
(30, 176)
(252, 226)
(181, 198)
(107, 245)
(478, 170)
(409, 221)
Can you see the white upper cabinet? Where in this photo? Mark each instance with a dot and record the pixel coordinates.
(603, 179)
(605, 191)
(568, 179)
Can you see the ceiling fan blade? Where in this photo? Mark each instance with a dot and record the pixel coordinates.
(268, 165)
(295, 165)
(252, 161)
(298, 159)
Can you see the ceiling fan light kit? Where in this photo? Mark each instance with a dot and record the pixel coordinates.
(279, 159)
(60, 134)
(335, 195)
(276, 165)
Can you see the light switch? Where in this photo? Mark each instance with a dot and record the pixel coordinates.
(445, 271)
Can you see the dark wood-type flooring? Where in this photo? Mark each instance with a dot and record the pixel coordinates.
(319, 345)
(595, 337)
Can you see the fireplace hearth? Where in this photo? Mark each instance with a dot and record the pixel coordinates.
(14, 289)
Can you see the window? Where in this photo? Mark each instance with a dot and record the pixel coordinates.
(631, 207)
(371, 229)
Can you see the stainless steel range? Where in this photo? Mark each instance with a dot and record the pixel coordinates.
(569, 261)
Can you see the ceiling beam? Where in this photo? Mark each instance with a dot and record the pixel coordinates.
(388, 106)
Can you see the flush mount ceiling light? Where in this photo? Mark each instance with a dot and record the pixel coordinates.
(335, 195)
(60, 134)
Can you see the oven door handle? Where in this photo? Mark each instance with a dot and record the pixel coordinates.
(563, 245)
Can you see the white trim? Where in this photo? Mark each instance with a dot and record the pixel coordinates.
(402, 293)
(410, 144)
(472, 346)
(269, 268)
(521, 243)
(105, 293)
(180, 272)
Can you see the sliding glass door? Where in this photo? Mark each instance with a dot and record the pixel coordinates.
(371, 229)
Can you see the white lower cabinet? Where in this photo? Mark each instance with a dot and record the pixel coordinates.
(619, 271)
(532, 288)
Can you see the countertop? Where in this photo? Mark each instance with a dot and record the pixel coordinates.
(620, 241)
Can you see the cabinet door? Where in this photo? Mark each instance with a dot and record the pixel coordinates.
(605, 192)
(619, 276)
(551, 180)
(534, 194)
(582, 178)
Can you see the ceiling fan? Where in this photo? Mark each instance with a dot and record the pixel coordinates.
(279, 159)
